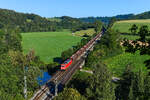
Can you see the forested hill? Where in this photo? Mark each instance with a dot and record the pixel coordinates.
(74, 24)
(145, 15)
(105, 19)
(32, 22)
(26, 22)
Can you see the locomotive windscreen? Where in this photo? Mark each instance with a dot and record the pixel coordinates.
(67, 61)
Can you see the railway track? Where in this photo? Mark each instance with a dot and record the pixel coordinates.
(67, 77)
(70, 72)
(56, 77)
(64, 76)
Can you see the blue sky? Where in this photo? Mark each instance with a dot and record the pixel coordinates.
(77, 8)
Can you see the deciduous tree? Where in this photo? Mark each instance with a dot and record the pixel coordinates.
(98, 26)
(133, 29)
(69, 94)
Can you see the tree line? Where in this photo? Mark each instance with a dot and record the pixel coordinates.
(106, 20)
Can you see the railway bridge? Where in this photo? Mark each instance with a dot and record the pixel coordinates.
(61, 78)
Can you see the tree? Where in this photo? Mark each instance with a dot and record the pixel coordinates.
(32, 72)
(69, 94)
(12, 66)
(110, 43)
(133, 29)
(11, 38)
(131, 95)
(3, 47)
(111, 22)
(133, 86)
(124, 89)
(101, 87)
(98, 26)
(10, 77)
(66, 54)
(91, 60)
(134, 46)
(143, 33)
(139, 85)
(52, 68)
(147, 88)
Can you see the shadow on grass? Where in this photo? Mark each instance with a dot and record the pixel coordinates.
(57, 60)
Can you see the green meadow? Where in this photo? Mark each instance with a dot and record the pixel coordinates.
(123, 26)
(118, 63)
(48, 45)
(130, 37)
(89, 32)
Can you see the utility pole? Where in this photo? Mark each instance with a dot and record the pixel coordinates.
(56, 88)
(30, 56)
(25, 83)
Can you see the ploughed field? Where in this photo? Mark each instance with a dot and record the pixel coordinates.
(48, 45)
(123, 26)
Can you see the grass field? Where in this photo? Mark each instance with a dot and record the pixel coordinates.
(123, 26)
(118, 63)
(48, 45)
(132, 37)
(89, 32)
(54, 19)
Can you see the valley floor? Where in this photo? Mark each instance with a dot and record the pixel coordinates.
(49, 45)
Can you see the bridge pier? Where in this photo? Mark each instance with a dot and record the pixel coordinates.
(82, 64)
(56, 89)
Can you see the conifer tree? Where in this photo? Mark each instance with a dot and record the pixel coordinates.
(139, 85)
(124, 88)
(131, 95)
(101, 87)
(147, 88)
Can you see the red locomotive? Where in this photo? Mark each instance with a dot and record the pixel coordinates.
(75, 56)
(66, 64)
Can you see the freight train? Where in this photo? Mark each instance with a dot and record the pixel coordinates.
(75, 56)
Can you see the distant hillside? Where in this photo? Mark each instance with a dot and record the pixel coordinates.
(105, 19)
(145, 15)
(55, 19)
(26, 22)
(74, 24)
(33, 23)
(66, 21)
